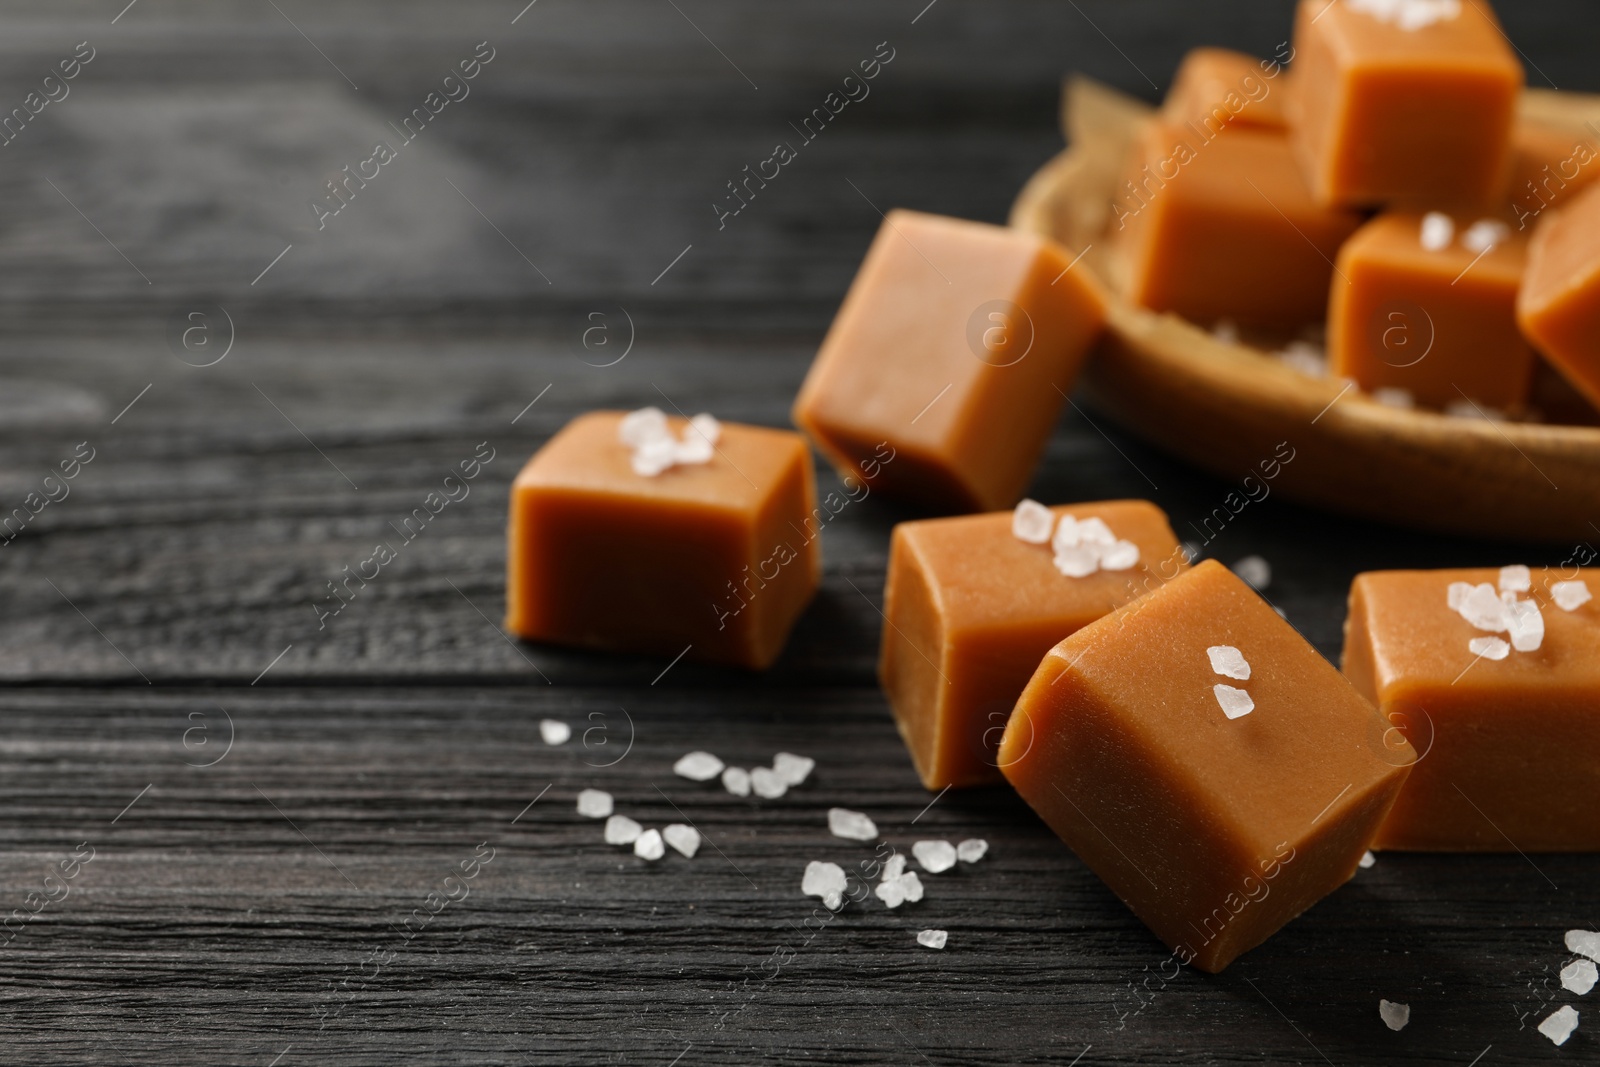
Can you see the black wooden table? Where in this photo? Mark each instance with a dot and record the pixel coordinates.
(230, 823)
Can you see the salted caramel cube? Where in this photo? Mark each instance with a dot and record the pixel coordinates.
(718, 556)
(1558, 305)
(949, 361)
(1549, 166)
(1216, 87)
(1403, 103)
(1223, 227)
(1506, 736)
(1218, 807)
(1427, 303)
(969, 609)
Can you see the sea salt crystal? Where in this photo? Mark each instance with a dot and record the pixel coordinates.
(1234, 702)
(1368, 859)
(1438, 230)
(1489, 648)
(698, 766)
(1579, 976)
(912, 885)
(736, 780)
(1483, 608)
(894, 867)
(842, 822)
(1456, 595)
(933, 938)
(554, 731)
(1307, 358)
(684, 838)
(768, 783)
(935, 857)
(1584, 943)
(643, 426)
(1078, 562)
(1526, 626)
(1558, 1025)
(1570, 596)
(1395, 1016)
(595, 803)
(891, 892)
(653, 457)
(1119, 556)
(707, 427)
(1067, 534)
(648, 846)
(1484, 235)
(1516, 579)
(692, 449)
(825, 880)
(1392, 396)
(621, 830)
(972, 850)
(1094, 531)
(791, 768)
(1229, 662)
(1032, 522)
(1254, 572)
(1409, 15)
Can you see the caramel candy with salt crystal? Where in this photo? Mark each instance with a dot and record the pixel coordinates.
(1558, 305)
(1215, 87)
(952, 353)
(1205, 761)
(1428, 304)
(719, 556)
(1407, 102)
(1506, 737)
(1223, 227)
(969, 609)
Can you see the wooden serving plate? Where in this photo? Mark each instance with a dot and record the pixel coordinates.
(1226, 407)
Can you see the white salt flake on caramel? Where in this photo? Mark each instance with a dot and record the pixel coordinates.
(1067, 534)
(825, 880)
(595, 803)
(768, 783)
(1570, 596)
(1408, 15)
(1584, 943)
(684, 838)
(653, 457)
(1515, 579)
(692, 449)
(842, 822)
(933, 938)
(1456, 595)
(1367, 859)
(554, 731)
(655, 450)
(736, 780)
(648, 846)
(621, 830)
(1234, 702)
(1254, 572)
(1078, 562)
(698, 766)
(1483, 608)
(1438, 230)
(1484, 235)
(1119, 556)
(1032, 522)
(1489, 647)
(791, 768)
(972, 850)
(706, 426)
(640, 427)
(935, 857)
(1526, 626)
(1094, 531)
(1394, 1015)
(1558, 1025)
(1229, 662)
(1579, 976)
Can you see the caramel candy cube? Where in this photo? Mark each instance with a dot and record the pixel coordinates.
(952, 354)
(969, 609)
(720, 556)
(1222, 226)
(1558, 306)
(1549, 166)
(1215, 87)
(1428, 304)
(1403, 103)
(1506, 734)
(1205, 761)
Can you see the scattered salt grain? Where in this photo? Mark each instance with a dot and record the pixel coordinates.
(1032, 522)
(640, 427)
(935, 857)
(648, 846)
(1078, 562)
(1483, 608)
(1579, 976)
(698, 767)
(891, 892)
(894, 867)
(791, 768)
(972, 850)
(621, 830)
(1489, 648)
(1254, 572)
(736, 780)
(1456, 595)
(912, 886)
(933, 938)
(1119, 556)
(1094, 531)
(1558, 1025)
(1392, 396)
(1368, 859)
(1234, 702)
(554, 731)
(684, 838)
(707, 427)
(1307, 358)
(1526, 626)
(825, 880)
(1438, 230)
(1515, 578)
(842, 822)
(1484, 235)
(595, 803)
(1570, 596)
(1229, 662)
(1066, 535)
(768, 783)
(1395, 1016)
(1584, 943)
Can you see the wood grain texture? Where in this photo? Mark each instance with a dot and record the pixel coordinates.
(225, 907)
